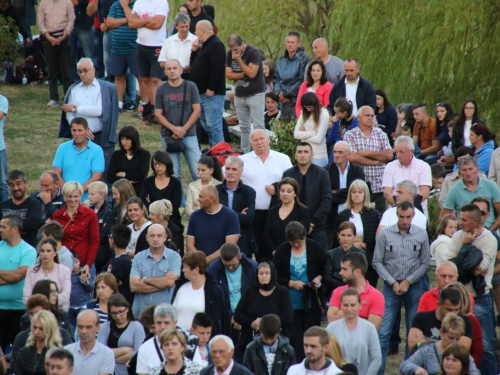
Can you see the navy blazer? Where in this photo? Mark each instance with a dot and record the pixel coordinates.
(236, 370)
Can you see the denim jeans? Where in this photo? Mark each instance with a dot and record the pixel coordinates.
(97, 56)
(131, 90)
(212, 109)
(106, 50)
(4, 189)
(320, 162)
(393, 304)
(485, 313)
(84, 36)
(249, 108)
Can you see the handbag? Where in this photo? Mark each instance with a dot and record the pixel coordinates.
(175, 145)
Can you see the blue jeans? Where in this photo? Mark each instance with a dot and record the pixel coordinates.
(106, 50)
(97, 57)
(212, 109)
(485, 313)
(131, 90)
(249, 108)
(4, 189)
(393, 303)
(84, 36)
(320, 162)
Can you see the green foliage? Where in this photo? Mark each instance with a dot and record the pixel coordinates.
(8, 38)
(283, 140)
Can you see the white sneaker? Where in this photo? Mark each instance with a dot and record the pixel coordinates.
(52, 104)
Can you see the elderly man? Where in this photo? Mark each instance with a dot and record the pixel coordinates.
(221, 352)
(370, 148)
(424, 134)
(154, 271)
(233, 193)
(208, 73)
(212, 225)
(407, 167)
(263, 168)
(333, 65)
(50, 195)
(342, 173)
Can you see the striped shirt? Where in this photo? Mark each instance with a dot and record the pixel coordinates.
(377, 141)
(123, 39)
(401, 256)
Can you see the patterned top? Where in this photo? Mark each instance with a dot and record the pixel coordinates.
(378, 141)
(189, 368)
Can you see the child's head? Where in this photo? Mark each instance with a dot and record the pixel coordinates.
(202, 327)
(270, 327)
(406, 130)
(436, 170)
(53, 230)
(76, 261)
(441, 178)
(448, 225)
(272, 101)
(97, 192)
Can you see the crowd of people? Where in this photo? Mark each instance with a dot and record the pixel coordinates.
(98, 274)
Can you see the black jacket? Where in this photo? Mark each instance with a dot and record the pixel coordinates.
(332, 278)
(208, 66)
(255, 358)
(244, 197)
(237, 370)
(466, 260)
(365, 95)
(81, 18)
(29, 362)
(51, 207)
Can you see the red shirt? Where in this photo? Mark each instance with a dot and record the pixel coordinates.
(81, 234)
(429, 301)
(372, 301)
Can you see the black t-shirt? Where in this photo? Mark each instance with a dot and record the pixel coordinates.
(430, 325)
(247, 86)
(114, 335)
(268, 118)
(120, 267)
(30, 212)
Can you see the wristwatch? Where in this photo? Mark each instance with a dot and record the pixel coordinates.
(144, 278)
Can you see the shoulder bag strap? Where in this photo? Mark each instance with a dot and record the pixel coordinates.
(183, 103)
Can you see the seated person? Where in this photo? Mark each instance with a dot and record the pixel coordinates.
(202, 328)
(272, 112)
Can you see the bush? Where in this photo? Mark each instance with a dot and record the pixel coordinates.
(8, 39)
(283, 140)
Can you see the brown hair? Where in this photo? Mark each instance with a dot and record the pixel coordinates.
(459, 352)
(38, 300)
(444, 223)
(295, 185)
(169, 334)
(195, 259)
(350, 292)
(346, 225)
(109, 279)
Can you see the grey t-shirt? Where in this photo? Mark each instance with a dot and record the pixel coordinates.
(247, 86)
(169, 99)
(334, 70)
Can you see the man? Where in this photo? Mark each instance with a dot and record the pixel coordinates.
(149, 17)
(263, 168)
(446, 273)
(473, 237)
(80, 37)
(154, 271)
(221, 351)
(244, 66)
(333, 65)
(60, 362)
(424, 134)
(426, 325)
(197, 13)
(370, 148)
(79, 159)
(355, 88)
(401, 279)
(316, 345)
(4, 109)
(471, 187)
(212, 225)
(96, 101)
(91, 357)
(178, 46)
(407, 167)
(50, 195)
(171, 97)
(208, 73)
(121, 264)
(54, 230)
(240, 198)
(16, 257)
(342, 173)
(289, 75)
(56, 20)
(314, 190)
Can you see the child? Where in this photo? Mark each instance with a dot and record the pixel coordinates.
(406, 130)
(272, 112)
(120, 265)
(441, 245)
(81, 290)
(202, 328)
(436, 170)
(269, 353)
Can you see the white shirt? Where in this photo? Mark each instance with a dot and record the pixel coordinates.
(188, 302)
(358, 223)
(342, 184)
(136, 232)
(467, 126)
(258, 174)
(89, 103)
(174, 48)
(350, 93)
(390, 218)
(226, 371)
(151, 8)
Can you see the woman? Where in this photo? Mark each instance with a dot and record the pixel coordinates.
(43, 337)
(405, 118)
(137, 213)
(81, 227)
(346, 235)
(198, 292)
(469, 115)
(174, 345)
(268, 68)
(48, 267)
(311, 127)
(300, 265)
(336, 355)
(130, 161)
(428, 357)
(290, 209)
(386, 115)
(122, 191)
(210, 172)
(162, 184)
(267, 297)
(444, 119)
(343, 120)
(482, 141)
(121, 333)
(105, 286)
(360, 212)
(456, 361)
(316, 83)
(358, 337)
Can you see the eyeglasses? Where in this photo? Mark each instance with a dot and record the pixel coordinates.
(54, 292)
(116, 313)
(84, 71)
(156, 164)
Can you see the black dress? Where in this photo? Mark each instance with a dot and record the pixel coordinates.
(136, 169)
(172, 192)
(275, 227)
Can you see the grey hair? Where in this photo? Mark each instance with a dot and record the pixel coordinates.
(343, 143)
(182, 18)
(410, 184)
(235, 160)
(15, 220)
(447, 263)
(227, 340)
(86, 59)
(405, 139)
(468, 160)
(165, 310)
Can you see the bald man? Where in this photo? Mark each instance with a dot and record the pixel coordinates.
(333, 65)
(212, 225)
(208, 72)
(154, 271)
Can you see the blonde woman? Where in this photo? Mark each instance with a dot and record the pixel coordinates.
(160, 213)
(336, 355)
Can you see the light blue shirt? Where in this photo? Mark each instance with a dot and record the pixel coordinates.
(230, 196)
(342, 184)
(4, 107)
(298, 271)
(234, 284)
(100, 359)
(89, 103)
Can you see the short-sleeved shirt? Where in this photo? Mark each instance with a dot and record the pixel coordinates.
(234, 284)
(430, 325)
(4, 107)
(120, 267)
(247, 86)
(151, 8)
(210, 230)
(372, 301)
(175, 48)
(11, 258)
(169, 100)
(123, 37)
(145, 265)
(459, 195)
(100, 360)
(428, 133)
(429, 301)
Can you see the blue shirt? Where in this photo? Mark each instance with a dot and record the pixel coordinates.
(234, 284)
(298, 271)
(230, 196)
(4, 107)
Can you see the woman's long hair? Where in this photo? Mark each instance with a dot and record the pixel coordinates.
(309, 99)
(360, 185)
(295, 185)
(310, 80)
(42, 242)
(458, 129)
(50, 328)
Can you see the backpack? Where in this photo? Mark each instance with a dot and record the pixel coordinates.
(222, 151)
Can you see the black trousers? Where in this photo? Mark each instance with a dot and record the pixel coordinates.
(259, 227)
(10, 321)
(302, 321)
(57, 60)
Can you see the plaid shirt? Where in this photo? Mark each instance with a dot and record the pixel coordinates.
(378, 141)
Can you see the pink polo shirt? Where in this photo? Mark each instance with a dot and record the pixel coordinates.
(372, 301)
